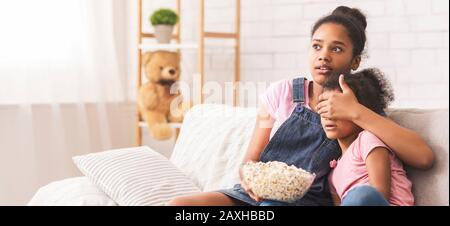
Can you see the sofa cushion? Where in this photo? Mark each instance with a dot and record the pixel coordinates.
(430, 187)
(135, 176)
(212, 143)
(77, 191)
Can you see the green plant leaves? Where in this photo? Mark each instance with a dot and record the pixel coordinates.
(164, 17)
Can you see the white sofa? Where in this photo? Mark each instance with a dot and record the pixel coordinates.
(213, 141)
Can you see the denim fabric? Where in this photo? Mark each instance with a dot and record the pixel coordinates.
(300, 141)
(298, 90)
(364, 196)
(274, 203)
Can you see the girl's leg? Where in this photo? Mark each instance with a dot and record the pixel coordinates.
(205, 199)
(364, 196)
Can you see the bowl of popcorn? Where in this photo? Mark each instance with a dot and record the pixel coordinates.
(276, 180)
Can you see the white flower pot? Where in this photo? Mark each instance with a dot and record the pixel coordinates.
(163, 33)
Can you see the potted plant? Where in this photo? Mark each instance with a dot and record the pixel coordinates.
(164, 21)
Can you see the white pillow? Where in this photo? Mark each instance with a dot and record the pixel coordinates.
(135, 176)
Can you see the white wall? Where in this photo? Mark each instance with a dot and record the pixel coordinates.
(407, 39)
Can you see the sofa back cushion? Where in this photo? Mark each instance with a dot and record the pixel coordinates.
(214, 138)
(212, 143)
(430, 187)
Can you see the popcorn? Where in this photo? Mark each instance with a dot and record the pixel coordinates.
(277, 180)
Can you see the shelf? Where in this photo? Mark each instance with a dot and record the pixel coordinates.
(205, 41)
(168, 47)
(173, 125)
(219, 35)
(151, 35)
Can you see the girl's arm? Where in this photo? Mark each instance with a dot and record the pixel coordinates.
(406, 144)
(378, 166)
(260, 139)
(261, 135)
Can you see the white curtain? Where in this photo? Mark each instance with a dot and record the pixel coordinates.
(62, 86)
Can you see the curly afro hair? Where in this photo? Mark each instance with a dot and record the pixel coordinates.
(370, 87)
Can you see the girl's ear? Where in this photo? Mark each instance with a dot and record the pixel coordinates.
(355, 63)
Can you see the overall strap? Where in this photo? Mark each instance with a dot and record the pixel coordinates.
(299, 90)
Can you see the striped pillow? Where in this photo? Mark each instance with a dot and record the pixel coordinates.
(135, 176)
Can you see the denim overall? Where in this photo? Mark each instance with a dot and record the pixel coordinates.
(300, 141)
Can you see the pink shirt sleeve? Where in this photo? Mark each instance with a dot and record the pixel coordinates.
(275, 95)
(368, 142)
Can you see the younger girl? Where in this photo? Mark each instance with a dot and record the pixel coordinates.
(367, 166)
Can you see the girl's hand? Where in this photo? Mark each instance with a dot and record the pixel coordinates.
(246, 187)
(251, 194)
(341, 106)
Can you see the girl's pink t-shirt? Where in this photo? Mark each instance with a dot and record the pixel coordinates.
(279, 102)
(351, 171)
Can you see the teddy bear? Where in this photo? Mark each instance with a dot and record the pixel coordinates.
(157, 104)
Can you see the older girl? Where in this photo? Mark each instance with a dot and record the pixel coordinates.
(288, 127)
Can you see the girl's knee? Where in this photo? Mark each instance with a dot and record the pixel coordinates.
(364, 195)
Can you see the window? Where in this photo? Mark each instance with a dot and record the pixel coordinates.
(57, 51)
